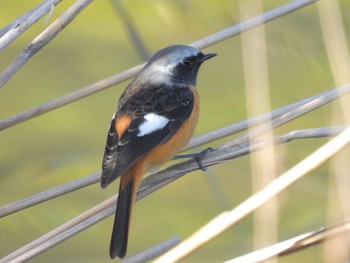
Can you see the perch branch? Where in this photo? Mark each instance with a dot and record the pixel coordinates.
(59, 234)
(49, 194)
(12, 31)
(309, 106)
(44, 38)
(253, 22)
(294, 244)
(299, 108)
(153, 252)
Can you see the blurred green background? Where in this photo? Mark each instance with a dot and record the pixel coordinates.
(68, 143)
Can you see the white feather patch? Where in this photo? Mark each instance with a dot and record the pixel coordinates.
(159, 73)
(152, 123)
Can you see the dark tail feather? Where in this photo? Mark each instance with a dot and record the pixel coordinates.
(119, 241)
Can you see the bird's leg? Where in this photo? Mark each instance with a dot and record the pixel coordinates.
(196, 156)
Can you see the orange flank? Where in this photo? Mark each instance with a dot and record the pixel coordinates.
(121, 124)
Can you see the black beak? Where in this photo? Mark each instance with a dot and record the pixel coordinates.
(208, 56)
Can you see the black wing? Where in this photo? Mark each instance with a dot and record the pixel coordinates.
(110, 154)
(175, 104)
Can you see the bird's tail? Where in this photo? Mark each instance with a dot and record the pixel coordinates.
(126, 199)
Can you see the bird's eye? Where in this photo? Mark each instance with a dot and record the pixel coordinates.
(188, 63)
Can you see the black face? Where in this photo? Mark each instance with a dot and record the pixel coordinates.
(186, 71)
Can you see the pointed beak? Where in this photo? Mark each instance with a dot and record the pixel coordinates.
(208, 56)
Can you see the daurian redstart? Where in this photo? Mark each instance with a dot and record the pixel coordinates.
(156, 116)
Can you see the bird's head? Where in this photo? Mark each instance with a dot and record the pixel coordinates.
(174, 65)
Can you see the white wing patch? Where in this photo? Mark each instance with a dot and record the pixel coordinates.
(152, 123)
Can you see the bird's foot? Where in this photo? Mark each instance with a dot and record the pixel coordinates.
(197, 156)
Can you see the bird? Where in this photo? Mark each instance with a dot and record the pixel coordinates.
(155, 118)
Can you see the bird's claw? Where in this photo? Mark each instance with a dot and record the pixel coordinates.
(198, 157)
